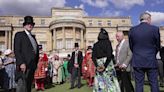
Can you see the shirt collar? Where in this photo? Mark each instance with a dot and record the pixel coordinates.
(27, 32)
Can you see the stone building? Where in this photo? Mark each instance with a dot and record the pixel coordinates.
(63, 28)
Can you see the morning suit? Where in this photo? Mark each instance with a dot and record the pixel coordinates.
(26, 54)
(124, 56)
(75, 72)
(144, 40)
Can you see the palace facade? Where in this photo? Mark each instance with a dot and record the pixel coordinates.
(63, 28)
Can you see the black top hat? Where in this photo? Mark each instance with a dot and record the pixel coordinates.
(76, 45)
(89, 47)
(28, 20)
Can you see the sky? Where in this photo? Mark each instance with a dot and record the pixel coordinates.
(102, 8)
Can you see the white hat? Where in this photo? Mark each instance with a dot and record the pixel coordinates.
(7, 52)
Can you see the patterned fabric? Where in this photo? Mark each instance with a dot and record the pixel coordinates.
(41, 69)
(9, 76)
(106, 81)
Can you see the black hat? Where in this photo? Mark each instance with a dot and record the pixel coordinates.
(28, 20)
(103, 35)
(76, 45)
(40, 47)
(89, 47)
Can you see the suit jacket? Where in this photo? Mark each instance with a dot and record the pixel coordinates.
(72, 60)
(24, 53)
(144, 40)
(125, 55)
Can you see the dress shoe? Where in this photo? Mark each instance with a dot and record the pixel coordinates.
(71, 88)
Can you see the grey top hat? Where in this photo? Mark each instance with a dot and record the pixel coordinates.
(28, 20)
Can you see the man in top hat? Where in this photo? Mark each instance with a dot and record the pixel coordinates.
(75, 66)
(27, 54)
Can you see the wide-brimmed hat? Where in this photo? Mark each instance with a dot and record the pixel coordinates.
(28, 20)
(7, 52)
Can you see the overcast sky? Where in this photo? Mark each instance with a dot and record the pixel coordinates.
(131, 8)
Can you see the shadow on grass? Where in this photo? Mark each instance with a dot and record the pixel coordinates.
(49, 86)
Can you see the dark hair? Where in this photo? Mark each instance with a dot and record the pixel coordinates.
(103, 35)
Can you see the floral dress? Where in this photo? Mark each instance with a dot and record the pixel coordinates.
(106, 81)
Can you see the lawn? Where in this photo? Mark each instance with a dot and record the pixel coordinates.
(65, 88)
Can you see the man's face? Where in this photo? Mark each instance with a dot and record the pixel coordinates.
(119, 37)
(28, 27)
(76, 48)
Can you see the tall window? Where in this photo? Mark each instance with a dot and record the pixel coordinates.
(59, 44)
(2, 46)
(2, 33)
(69, 43)
(2, 21)
(109, 22)
(100, 23)
(20, 21)
(42, 21)
(90, 22)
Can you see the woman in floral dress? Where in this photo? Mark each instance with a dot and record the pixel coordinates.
(105, 78)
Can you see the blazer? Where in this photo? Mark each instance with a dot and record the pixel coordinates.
(24, 52)
(72, 60)
(144, 40)
(125, 55)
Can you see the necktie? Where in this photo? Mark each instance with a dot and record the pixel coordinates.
(33, 42)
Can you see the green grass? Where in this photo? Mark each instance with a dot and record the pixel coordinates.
(65, 88)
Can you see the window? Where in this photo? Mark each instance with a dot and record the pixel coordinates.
(90, 22)
(20, 21)
(59, 44)
(109, 22)
(42, 21)
(2, 21)
(69, 43)
(2, 33)
(100, 23)
(2, 46)
(123, 21)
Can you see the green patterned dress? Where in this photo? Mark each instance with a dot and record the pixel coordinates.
(107, 80)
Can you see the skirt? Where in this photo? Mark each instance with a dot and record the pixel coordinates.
(106, 81)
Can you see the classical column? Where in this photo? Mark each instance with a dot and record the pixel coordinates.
(6, 39)
(82, 38)
(74, 35)
(54, 38)
(64, 45)
(9, 40)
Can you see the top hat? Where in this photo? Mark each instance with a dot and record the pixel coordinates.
(28, 20)
(89, 47)
(76, 45)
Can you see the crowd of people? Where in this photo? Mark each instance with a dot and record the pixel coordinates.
(103, 70)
